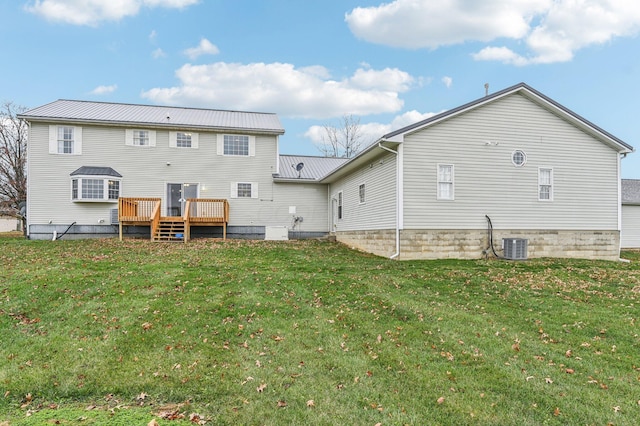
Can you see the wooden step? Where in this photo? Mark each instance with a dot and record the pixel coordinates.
(170, 229)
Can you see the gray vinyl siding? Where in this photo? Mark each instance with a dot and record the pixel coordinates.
(379, 209)
(585, 172)
(145, 174)
(630, 234)
(309, 200)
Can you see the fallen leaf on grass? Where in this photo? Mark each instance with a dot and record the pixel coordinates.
(146, 325)
(282, 403)
(556, 412)
(262, 387)
(569, 371)
(310, 403)
(548, 380)
(440, 400)
(153, 423)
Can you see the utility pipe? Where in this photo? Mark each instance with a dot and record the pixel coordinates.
(397, 253)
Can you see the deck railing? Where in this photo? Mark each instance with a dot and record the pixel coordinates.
(206, 212)
(137, 209)
(197, 212)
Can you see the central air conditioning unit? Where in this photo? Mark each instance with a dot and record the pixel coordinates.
(515, 248)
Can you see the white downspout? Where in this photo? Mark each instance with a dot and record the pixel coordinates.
(398, 171)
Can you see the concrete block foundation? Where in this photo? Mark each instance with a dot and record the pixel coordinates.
(474, 244)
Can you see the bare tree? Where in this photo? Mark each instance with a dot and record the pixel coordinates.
(344, 140)
(13, 160)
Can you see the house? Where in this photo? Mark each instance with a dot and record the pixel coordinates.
(630, 235)
(512, 166)
(86, 156)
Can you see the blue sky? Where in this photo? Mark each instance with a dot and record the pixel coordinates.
(389, 62)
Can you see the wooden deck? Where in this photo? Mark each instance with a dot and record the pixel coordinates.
(198, 212)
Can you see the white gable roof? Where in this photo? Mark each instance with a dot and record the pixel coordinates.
(155, 116)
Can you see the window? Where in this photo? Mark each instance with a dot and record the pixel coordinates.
(545, 184)
(244, 190)
(94, 189)
(236, 145)
(114, 189)
(445, 182)
(340, 205)
(65, 140)
(518, 158)
(89, 183)
(183, 140)
(361, 193)
(141, 137)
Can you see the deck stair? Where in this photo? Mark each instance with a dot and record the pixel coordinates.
(170, 229)
(145, 211)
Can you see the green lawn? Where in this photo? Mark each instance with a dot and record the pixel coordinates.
(105, 332)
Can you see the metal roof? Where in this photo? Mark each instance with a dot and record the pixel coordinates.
(164, 116)
(312, 167)
(95, 171)
(631, 191)
(530, 93)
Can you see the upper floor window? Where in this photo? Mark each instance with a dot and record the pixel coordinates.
(361, 193)
(445, 182)
(545, 184)
(65, 140)
(139, 137)
(183, 140)
(236, 145)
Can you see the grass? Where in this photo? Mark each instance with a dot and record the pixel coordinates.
(105, 332)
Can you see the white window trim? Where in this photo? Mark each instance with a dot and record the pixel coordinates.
(173, 140)
(105, 192)
(128, 138)
(254, 190)
(362, 200)
(452, 197)
(53, 140)
(551, 189)
(220, 145)
(524, 158)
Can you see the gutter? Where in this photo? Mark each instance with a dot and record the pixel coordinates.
(397, 253)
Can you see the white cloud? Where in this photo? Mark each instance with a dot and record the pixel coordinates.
(153, 35)
(204, 48)
(279, 87)
(447, 81)
(391, 79)
(158, 53)
(373, 131)
(92, 12)
(103, 90)
(547, 30)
